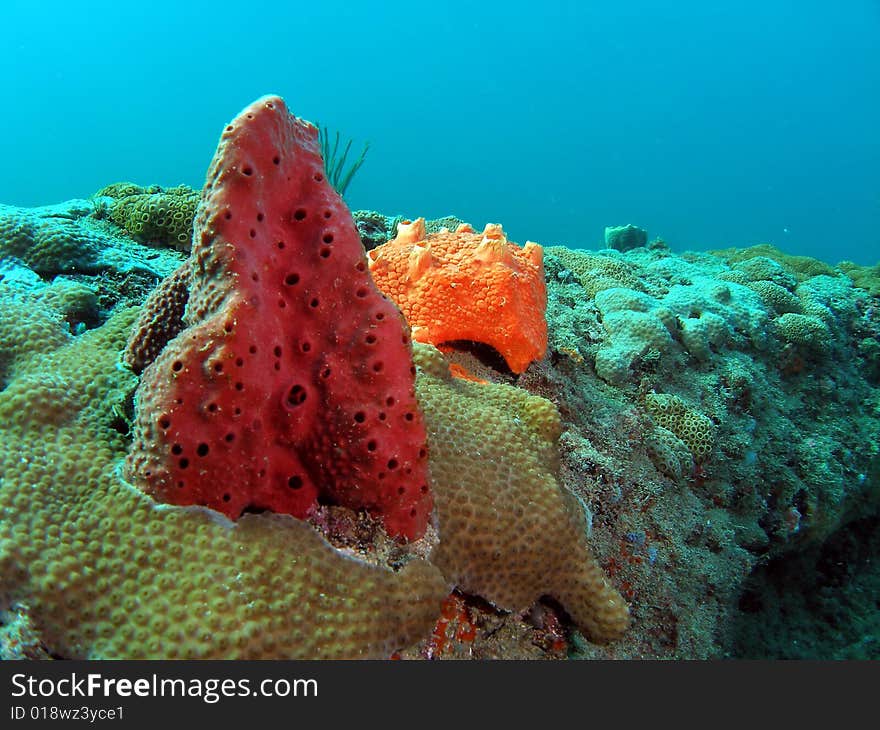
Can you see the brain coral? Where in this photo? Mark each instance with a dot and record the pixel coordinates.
(467, 286)
(107, 573)
(508, 531)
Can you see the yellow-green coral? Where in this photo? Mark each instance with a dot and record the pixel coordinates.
(595, 272)
(124, 189)
(508, 531)
(27, 324)
(153, 215)
(764, 268)
(669, 453)
(801, 267)
(105, 572)
(865, 277)
(48, 240)
(693, 428)
(776, 298)
(804, 330)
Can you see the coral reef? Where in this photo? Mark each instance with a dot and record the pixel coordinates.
(770, 356)
(78, 558)
(708, 423)
(73, 240)
(105, 572)
(467, 286)
(800, 267)
(594, 272)
(865, 277)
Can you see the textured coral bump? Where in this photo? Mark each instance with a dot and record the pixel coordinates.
(467, 286)
(293, 380)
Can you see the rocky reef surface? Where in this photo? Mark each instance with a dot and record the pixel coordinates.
(708, 423)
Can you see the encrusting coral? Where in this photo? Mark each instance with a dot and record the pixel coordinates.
(508, 531)
(106, 572)
(70, 239)
(160, 319)
(464, 285)
(801, 267)
(154, 215)
(695, 430)
(596, 273)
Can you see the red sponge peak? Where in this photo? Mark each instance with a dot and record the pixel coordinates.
(293, 380)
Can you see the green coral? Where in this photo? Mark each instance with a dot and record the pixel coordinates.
(804, 330)
(694, 429)
(83, 553)
(801, 267)
(864, 277)
(124, 189)
(776, 297)
(157, 216)
(596, 272)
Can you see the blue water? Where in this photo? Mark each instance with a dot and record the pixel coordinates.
(710, 124)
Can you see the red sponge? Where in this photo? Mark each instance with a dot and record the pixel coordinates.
(293, 381)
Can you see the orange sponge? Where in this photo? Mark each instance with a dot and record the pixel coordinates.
(465, 285)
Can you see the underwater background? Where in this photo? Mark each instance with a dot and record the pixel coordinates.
(708, 124)
(243, 417)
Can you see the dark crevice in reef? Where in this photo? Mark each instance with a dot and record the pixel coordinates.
(821, 604)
